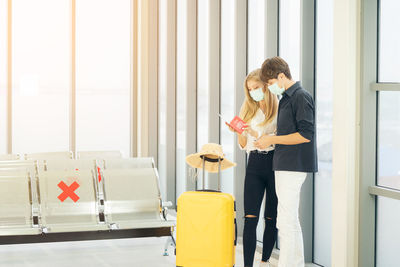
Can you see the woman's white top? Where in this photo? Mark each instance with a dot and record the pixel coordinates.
(267, 129)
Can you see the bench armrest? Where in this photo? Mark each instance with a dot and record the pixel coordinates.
(165, 205)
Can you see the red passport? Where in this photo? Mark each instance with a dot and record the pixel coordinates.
(237, 124)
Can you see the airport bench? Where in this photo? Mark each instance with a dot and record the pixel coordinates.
(58, 199)
(16, 210)
(128, 205)
(68, 201)
(98, 155)
(9, 157)
(49, 155)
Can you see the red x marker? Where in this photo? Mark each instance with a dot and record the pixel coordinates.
(98, 173)
(68, 191)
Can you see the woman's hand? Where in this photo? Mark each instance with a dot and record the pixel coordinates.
(233, 130)
(264, 142)
(252, 132)
(230, 128)
(246, 130)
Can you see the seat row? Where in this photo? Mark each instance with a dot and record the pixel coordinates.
(63, 155)
(76, 195)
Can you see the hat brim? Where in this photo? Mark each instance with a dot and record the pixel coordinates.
(195, 161)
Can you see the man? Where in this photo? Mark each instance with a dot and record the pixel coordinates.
(295, 155)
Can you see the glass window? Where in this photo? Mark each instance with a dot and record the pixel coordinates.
(389, 42)
(289, 38)
(388, 150)
(389, 111)
(256, 56)
(228, 139)
(324, 112)
(162, 95)
(41, 72)
(181, 97)
(203, 52)
(289, 35)
(388, 232)
(103, 61)
(3, 76)
(388, 141)
(255, 34)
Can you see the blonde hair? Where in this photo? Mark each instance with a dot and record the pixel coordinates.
(250, 107)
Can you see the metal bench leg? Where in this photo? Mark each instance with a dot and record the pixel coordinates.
(173, 241)
(170, 241)
(167, 243)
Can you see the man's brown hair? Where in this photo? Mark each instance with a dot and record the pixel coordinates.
(272, 67)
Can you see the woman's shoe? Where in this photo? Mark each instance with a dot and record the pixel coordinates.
(265, 264)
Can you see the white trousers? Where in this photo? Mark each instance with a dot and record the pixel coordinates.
(288, 186)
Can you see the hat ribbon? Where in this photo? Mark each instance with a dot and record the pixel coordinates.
(210, 159)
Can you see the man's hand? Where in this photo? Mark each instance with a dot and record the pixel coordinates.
(264, 142)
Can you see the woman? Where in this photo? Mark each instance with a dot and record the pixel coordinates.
(259, 111)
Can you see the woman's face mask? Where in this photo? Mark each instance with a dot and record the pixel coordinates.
(257, 94)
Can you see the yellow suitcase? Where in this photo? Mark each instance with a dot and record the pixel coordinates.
(206, 229)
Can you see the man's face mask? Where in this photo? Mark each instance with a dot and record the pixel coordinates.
(275, 89)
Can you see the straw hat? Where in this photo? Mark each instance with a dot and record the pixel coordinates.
(212, 152)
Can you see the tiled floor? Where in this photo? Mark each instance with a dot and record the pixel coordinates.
(139, 252)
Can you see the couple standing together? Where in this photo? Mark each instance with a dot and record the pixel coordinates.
(281, 146)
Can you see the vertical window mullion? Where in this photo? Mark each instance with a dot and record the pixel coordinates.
(167, 101)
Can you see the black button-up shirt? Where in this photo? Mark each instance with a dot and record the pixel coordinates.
(296, 114)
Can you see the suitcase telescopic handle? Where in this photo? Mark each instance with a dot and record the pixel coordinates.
(205, 158)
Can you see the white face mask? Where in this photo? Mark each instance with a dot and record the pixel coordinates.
(275, 89)
(257, 94)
